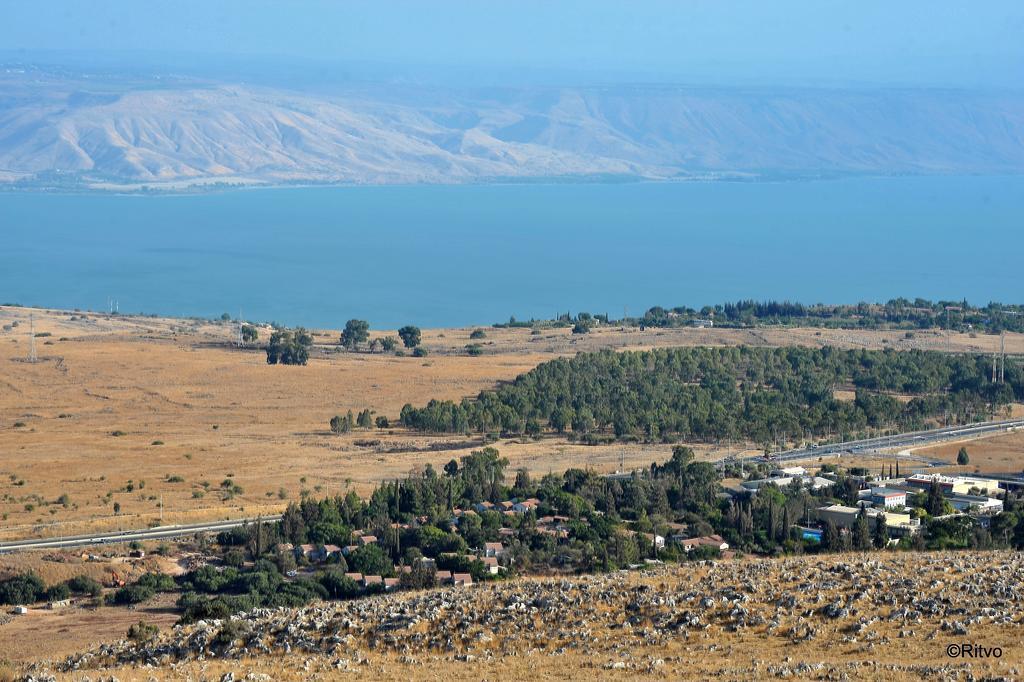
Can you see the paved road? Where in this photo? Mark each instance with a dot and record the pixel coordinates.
(158, 533)
(912, 439)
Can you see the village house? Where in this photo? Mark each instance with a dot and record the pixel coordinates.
(705, 541)
(526, 506)
(658, 541)
(443, 577)
(494, 549)
(491, 563)
(462, 579)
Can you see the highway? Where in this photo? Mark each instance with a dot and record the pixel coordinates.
(158, 533)
(912, 439)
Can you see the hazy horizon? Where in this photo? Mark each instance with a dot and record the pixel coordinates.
(910, 44)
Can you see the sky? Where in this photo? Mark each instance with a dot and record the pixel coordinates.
(905, 42)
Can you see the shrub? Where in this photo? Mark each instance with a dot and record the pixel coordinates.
(58, 592)
(131, 594)
(118, 433)
(419, 352)
(83, 584)
(158, 582)
(22, 589)
(478, 334)
(232, 630)
(474, 349)
(142, 632)
(382, 422)
(234, 557)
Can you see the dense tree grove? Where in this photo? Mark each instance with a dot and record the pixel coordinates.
(289, 348)
(899, 313)
(761, 394)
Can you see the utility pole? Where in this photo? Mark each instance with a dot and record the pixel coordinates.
(32, 338)
(1002, 357)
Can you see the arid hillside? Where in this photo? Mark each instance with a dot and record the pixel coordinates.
(164, 130)
(895, 616)
(167, 416)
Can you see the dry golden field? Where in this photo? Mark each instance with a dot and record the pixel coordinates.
(155, 414)
(997, 454)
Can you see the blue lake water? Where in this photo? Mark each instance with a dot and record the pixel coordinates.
(451, 255)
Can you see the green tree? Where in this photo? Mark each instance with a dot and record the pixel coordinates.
(371, 560)
(249, 333)
(935, 504)
(388, 343)
(365, 419)
(341, 424)
(861, 531)
(355, 333)
(962, 457)
(289, 348)
(410, 336)
(880, 537)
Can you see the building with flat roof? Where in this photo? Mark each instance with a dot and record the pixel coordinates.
(957, 485)
(885, 497)
(896, 524)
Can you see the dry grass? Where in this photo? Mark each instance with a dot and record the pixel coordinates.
(997, 454)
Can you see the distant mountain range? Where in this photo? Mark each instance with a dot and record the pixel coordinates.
(164, 132)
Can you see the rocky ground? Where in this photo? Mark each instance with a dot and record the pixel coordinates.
(876, 616)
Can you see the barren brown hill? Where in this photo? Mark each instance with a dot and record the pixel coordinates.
(890, 616)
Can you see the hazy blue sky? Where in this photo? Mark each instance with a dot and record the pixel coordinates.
(935, 42)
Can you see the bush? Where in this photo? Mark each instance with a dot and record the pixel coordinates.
(158, 582)
(141, 633)
(22, 589)
(478, 334)
(419, 352)
(234, 557)
(474, 349)
(58, 592)
(382, 422)
(231, 631)
(83, 584)
(131, 594)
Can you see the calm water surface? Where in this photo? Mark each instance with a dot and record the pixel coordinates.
(435, 256)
